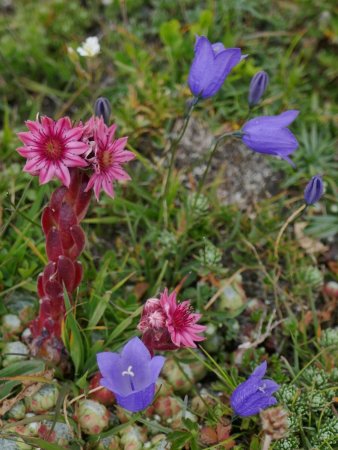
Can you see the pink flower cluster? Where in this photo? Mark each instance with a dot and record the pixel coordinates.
(168, 325)
(53, 147)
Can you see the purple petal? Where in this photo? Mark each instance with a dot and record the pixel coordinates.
(111, 370)
(260, 370)
(135, 349)
(274, 141)
(216, 73)
(136, 355)
(279, 121)
(203, 61)
(217, 47)
(156, 365)
(137, 401)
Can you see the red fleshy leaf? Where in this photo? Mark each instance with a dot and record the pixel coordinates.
(47, 220)
(66, 272)
(79, 241)
(49, 271)
(53, 245)
(41, 291)
(78, 274)
(83, 199)
(53, 288)
(72, 192)
(67, 217)
(57, 198)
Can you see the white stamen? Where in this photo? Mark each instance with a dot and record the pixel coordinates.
(262, 388)
(128, 372)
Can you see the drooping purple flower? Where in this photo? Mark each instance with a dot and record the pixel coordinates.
(258, 85)
(211, 65)
(131, 375)
(254, 394)
(270, 135)
(314, 190)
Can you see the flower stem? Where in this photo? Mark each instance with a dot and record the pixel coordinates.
(211, 155)
(174, 146)
(287, 222)
(266, 442)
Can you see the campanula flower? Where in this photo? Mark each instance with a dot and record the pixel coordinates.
(102, 108)
(168, 325)
(314, 190)
(254, 394)
(51, 148)
(109, 155)
(131, 375)
(258, 85)
(270, 135)
(211, 65)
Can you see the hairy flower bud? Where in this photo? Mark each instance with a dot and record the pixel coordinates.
(314, 190)
(258, 85)
(102, 108)
(275, 422)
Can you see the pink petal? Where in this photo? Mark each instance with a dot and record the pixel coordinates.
(70, 160)
(27, 138)
(123, 156)
(77, 147)
(119, 144)
(108, 187)
(46, 173)
(33, 126)
(28, 152)
(34, 164)
(119, 173)
(62, 125)
(62, 173)
(74, 134)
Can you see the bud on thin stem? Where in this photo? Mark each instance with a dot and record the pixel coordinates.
(258, 85)
(102, 108)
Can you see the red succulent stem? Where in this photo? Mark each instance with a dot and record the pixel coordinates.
(65, 241)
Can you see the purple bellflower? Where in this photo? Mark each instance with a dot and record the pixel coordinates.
(270, 135)
(131, 375)
(254, 394)
(211, 65)
(314, 190)
(258, 85)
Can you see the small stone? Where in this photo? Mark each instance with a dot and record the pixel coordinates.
(18, 411)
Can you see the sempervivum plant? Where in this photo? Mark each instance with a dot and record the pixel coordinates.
(82, 157)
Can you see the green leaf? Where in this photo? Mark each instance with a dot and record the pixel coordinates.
(170, 33)
(19, 368)
(72, 336)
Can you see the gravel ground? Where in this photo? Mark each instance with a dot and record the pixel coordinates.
(243, 177)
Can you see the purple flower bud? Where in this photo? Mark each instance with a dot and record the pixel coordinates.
(254, 394)
(102, 108)
(270, 135)
(211, 65)
(258, 85)
(131, 375)
(314, 190)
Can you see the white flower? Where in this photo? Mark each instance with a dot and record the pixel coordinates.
(90, 47)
